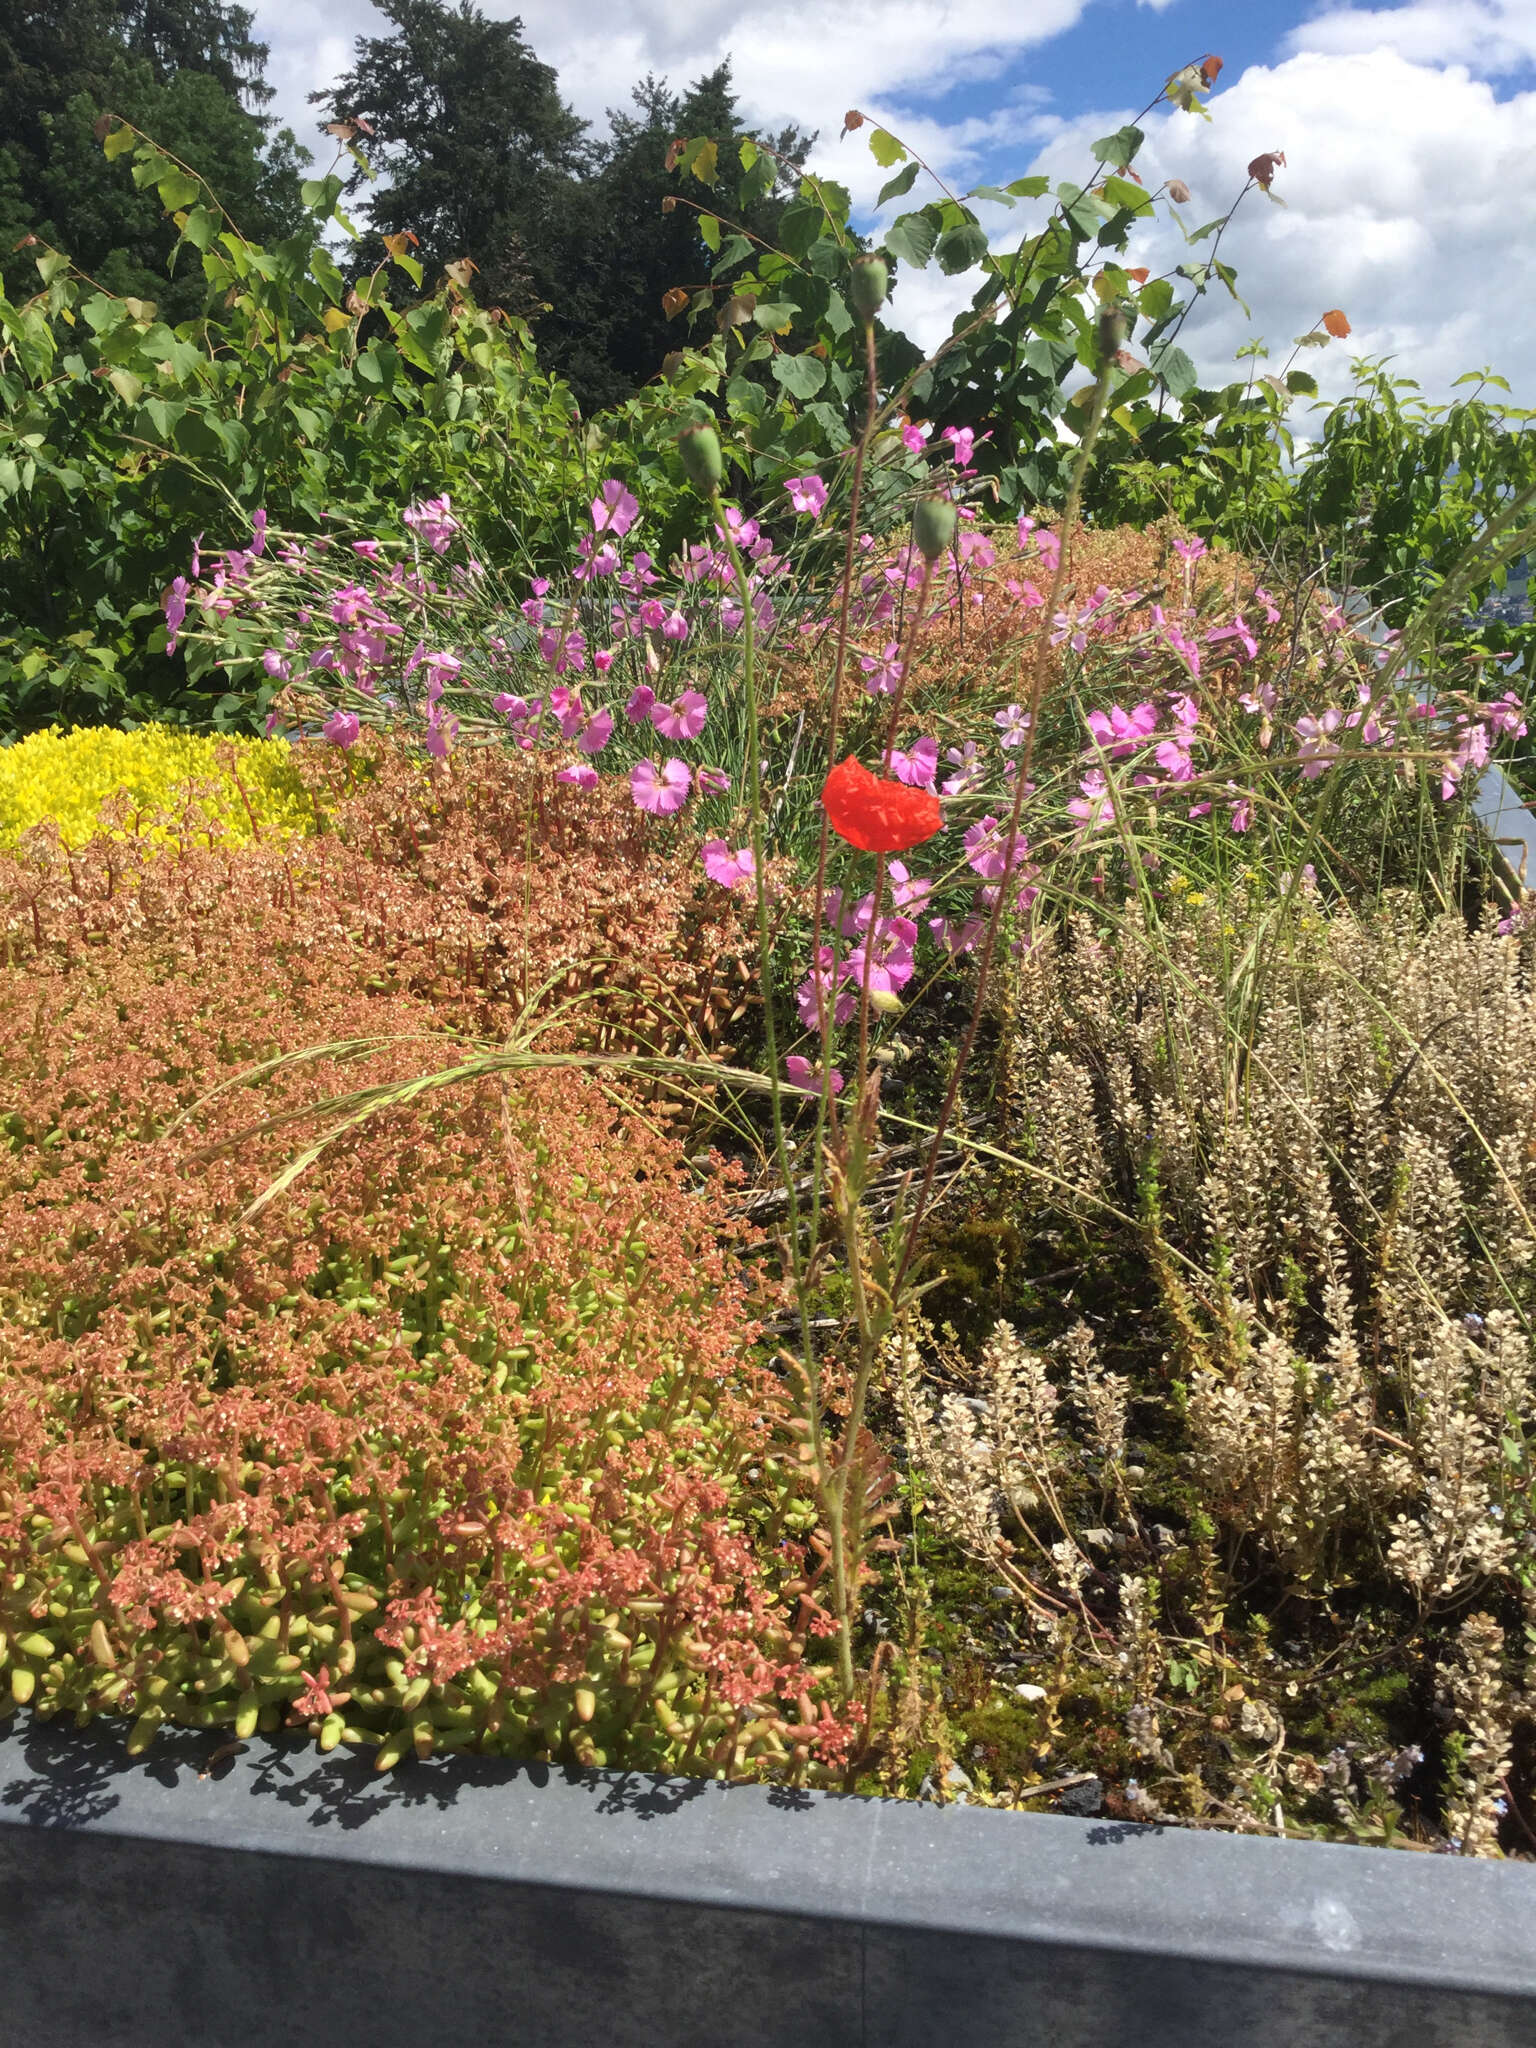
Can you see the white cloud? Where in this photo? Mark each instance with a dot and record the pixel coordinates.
(1410, 203)
(1488, 36)
(798, 61)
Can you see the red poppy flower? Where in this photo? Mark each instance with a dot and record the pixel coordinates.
(879, 817)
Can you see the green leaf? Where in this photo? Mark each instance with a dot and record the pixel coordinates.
(748, 152)
(961, 248)
(1301, 384)
(745, 399)
(1126, 194)
(200, 227)
(126, 385)
(1174, 369)
(150, 169)
(709, 228)
(50, 264)
(995, 195)
(703, 159)
(910, 238)
(162, 417)
(774, 314)
(177, 190)
(1030, 188)
(799, 376)
(1120, 148)
(885, 149)
(897, 187)
(735, 249)
(118, 142)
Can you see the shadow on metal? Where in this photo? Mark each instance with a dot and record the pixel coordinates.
(268, 1895)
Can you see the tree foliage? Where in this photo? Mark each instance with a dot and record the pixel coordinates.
(179, 69)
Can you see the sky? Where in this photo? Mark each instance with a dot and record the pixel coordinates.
(1409, 133)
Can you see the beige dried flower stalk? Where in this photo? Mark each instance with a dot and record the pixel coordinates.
(1484, 1708)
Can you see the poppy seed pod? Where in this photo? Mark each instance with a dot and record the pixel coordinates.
(699, 447)
(1112, 332)
(868, 286)
(933, 527)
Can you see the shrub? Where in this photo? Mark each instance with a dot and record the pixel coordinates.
(463, 1442)
(244, 788)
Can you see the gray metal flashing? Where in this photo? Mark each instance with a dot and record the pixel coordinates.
(277, 1895)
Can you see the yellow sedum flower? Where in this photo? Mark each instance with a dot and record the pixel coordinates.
(68, 777)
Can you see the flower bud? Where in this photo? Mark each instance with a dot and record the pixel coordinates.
(1111, 333)
(933, 527)
(699, 447)
(868, 286)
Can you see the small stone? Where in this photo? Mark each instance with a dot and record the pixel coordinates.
(1030, 1692)
(1085, 1801)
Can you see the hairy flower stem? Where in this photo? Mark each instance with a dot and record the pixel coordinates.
(1021, 784)
(818, 906)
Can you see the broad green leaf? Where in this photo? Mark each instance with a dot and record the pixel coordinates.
(126, 385)
(1175, 369)
(885, 149)
(118, 142)
(51, 264)
(1126, 194)
(774, 314)
(1120, 148)
(733, 250)
(709, 228)
(900, 185)
(799, 377)
(200, 227)
(995, 195)
(960, 248)
(703, 159)
(1301, 384)
(177, 190)
(748, 153)
(910, 239)
(1030, 188)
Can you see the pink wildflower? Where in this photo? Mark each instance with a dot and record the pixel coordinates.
(1013, 722)
(660, 790)
(806, 1079)
(342, 728)
(597, 732)
(1121, 732)
(582, 776)
(683, 720)
(882, 677)
(615, 509)
(986, 848)
(729, 869)
(807, 494)
(919, 767)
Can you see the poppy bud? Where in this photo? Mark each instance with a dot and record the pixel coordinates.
(933, 527)
(1111, 333)
(699, 447)
(870, 282)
